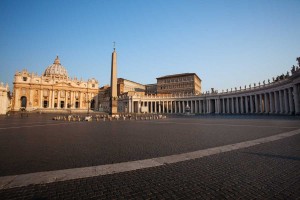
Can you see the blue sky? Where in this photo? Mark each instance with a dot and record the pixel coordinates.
(227, 43)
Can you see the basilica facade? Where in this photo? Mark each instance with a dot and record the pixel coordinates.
(54, 91)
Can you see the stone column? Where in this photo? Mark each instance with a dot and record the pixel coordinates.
(66, 99)
(58, 100)
(158, 105)
(52, 100)
(246, 105)
(200, 106)
(276, 98)
(281, 101)
(175, 108)
(268, 103)
(219, 106)
(227, 106)
(167, 106)
(296, 99)
(251, 104)
(152, 106)
(242, 105)
(172, 103)
(41, 99)
(139, 107)
(256, 103)
(271, 103)
(223, 105)
(72, 101)
(286, 103)
(216, 106)
(237, 111)
(208, 103)
(291, 105)
(261, 104)
(232, 105)
(129, 105)
(148, 106)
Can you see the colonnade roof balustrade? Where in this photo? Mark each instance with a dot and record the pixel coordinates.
(256, 88)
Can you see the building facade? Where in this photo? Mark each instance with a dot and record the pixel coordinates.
(187, 83)
(125, 86)
(53, 91)
(4, 99)
(151, 89)
(279, 97)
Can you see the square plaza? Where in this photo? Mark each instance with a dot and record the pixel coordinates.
(176, 157)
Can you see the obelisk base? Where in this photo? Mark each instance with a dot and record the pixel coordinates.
(114, 107)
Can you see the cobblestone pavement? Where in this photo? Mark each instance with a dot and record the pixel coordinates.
(267, 171)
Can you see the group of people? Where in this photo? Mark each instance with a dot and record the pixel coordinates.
(108, 117)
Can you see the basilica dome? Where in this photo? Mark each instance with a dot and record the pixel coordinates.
(56, 69)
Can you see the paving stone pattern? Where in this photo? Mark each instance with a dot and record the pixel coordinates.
(54, 146)
(267, 171)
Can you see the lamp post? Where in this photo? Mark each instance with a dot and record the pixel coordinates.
(88, 101)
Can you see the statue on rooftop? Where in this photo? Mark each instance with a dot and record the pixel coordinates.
(293, 69)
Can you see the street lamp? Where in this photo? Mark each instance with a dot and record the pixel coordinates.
(88, 101)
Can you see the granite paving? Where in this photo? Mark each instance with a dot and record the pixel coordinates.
(266, 171)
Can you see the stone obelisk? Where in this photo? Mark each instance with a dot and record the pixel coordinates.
(113, 84)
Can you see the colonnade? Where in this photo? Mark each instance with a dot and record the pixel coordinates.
(282, 100)
(66, 99)
(53, 99)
